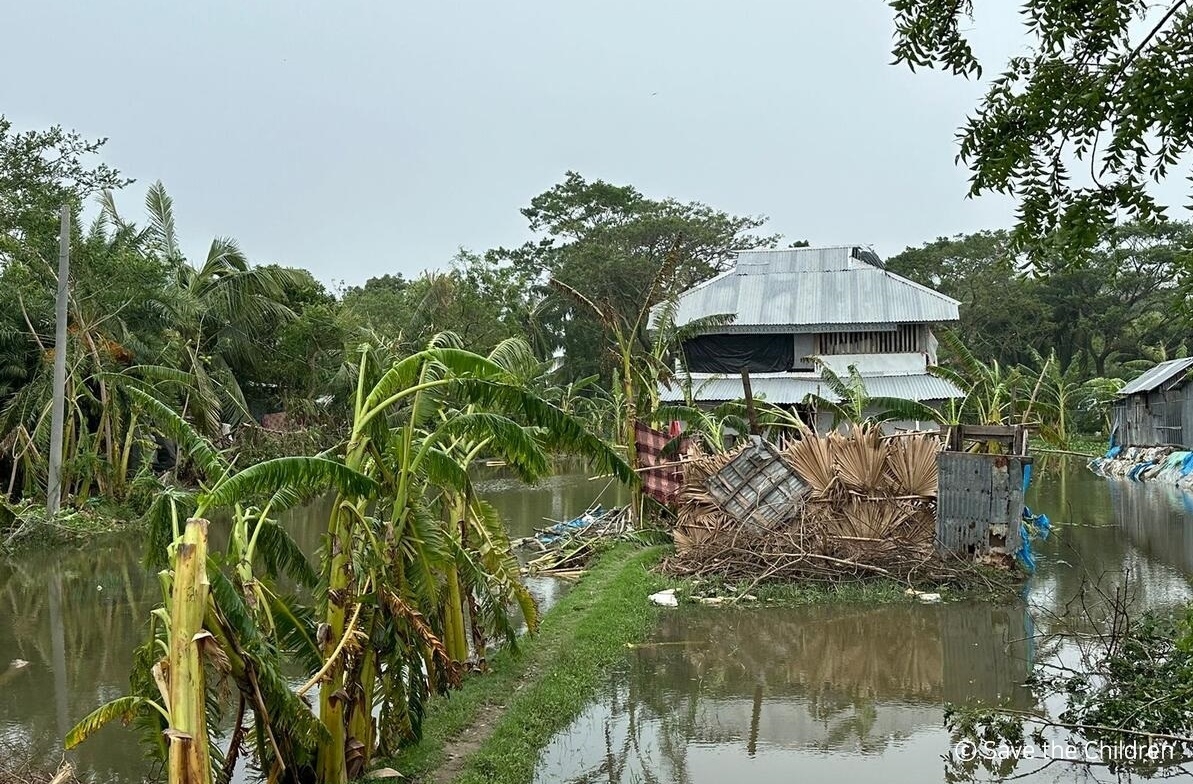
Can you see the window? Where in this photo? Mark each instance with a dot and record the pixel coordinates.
(903, 340)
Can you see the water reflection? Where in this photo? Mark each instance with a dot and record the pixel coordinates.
(731, 686)
(75, 619)
(858, 694)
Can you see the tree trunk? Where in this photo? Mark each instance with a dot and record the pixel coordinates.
(189, 758)
(332, 768)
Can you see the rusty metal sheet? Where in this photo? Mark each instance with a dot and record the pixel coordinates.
(980, 502)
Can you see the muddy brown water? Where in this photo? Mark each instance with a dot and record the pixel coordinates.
(851, 693)
(847, 693)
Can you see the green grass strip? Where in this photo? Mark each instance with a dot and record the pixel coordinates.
(545, 685)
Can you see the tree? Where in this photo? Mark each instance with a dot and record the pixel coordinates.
(609, 243)
(1077, 127)
(39, 172)
(302, 351)
(854, 404)
(983, 272)
(1126, 297)
(479, 299)
(220, 314)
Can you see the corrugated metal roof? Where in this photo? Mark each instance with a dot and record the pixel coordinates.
(1157, 376)
(788, 388)
(825, 287)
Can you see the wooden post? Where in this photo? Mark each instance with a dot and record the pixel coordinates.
(748, 393)
(58, 404)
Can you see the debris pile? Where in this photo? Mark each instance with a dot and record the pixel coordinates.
(841, 506)
(1147, 464)
(565, 547)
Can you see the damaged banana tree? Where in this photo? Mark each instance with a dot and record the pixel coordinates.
(418, 573)
(421, 566)
(226, 631)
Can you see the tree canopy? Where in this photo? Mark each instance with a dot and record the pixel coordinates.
(1078, 126)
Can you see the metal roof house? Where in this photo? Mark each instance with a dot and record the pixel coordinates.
(836, 304)
(1157, 407)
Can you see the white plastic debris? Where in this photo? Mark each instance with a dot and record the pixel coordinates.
(926, 598)
(664, 598)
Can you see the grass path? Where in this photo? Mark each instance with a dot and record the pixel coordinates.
(493, 728)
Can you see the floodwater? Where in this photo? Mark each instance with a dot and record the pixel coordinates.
(852, 693)
(75, 616)
(858, 693)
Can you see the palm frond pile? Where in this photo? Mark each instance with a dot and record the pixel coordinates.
(869, 509)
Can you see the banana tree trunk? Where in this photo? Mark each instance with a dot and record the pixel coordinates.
(189, 758)
(332, 767)
(455, 639)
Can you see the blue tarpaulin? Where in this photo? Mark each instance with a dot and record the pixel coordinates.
(1031, 526)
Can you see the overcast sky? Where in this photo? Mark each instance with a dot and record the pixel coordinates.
(359, 138)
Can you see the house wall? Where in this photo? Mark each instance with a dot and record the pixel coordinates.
(805, 347)
(1154, 418)
(877, 364)
(909, 349)
(824, 421)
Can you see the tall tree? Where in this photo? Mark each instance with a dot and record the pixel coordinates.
(1077, 126)
(609, 243)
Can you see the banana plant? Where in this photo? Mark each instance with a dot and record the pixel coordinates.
(409, 562)
(228, 620)
(853, 404)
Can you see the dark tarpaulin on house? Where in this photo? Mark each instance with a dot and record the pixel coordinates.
(773, 353)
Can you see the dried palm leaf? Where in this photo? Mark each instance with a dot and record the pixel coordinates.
(813, 461)
(912, 464)
(861, 461)
(872, 519)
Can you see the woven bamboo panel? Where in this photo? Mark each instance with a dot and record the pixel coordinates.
(758, 487)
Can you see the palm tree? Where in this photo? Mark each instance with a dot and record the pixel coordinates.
(992, 392)
(216, 311)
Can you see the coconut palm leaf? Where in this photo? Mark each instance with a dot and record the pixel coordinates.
(161, 220)
(516, 357)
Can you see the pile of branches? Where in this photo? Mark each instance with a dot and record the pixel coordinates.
(566, 548)
(869, 510)
(19, 766)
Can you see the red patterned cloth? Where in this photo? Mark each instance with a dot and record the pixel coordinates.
(663, 483)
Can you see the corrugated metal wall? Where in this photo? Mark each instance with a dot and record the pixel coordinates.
(980, 502)
(1153, 418)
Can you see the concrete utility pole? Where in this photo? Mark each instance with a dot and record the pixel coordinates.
(58, 406)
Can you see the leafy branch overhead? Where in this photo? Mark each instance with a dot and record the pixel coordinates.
(1078, 127)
